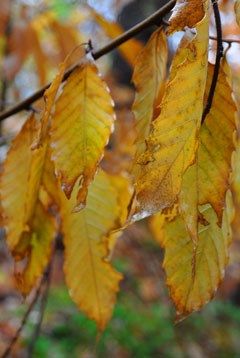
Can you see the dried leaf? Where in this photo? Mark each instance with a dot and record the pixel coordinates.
(67, 39)
(80, 131)
(38, 245)
(237, 11)
(91, 280)
(208, 180)
(20, 181)
(41, 59)
(21, 193)
(172, 144)
(191, 284)
(186, 13)
(4, 15)
(149, 79)
(124, 191)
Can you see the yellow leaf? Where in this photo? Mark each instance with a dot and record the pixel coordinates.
(49, 98)
(172, 144)
(192, 284)
(149, 79)
(129, 49)
(237, 11)
(188, 201)
(208, 179)
(217, 146)
(124, 191)
(40, 57)
(22, 185)
(186, 13)
(91, 280)
(38, 249)
(67, 38)
(20, 181)
(236, 192)
(81, 127)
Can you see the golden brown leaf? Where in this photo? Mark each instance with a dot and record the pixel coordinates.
(41, 59)
(217, 146)
(186, 13)
(37, 250)
(26, 211)
(81, 130)
(20, 181)
(172, 144)
(237, 11)
(123, 188)
(91, 280)
(192, 283)
(208, 179)
(49, 98)
(4, 15)
(149, 79)
(67, 39)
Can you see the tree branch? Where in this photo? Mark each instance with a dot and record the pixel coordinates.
(43, 304)
(4, 88)
(25, 318)
(219, 55)
(154, 19)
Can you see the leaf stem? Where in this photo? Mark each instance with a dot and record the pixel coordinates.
(153, 19)
(219, 55)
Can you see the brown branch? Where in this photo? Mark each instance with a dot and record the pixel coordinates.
(43, 304)
(4, 88)
(228, 41)
(154, 19)
(24, 319)
(219, 55)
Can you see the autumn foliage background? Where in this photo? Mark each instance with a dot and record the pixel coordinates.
(87, 208)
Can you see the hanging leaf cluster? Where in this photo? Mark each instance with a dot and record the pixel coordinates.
(184, 174)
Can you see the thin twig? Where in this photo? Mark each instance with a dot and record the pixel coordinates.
(219, 55)
(154, 19)
(24, 319)
(43, 304)
(4, 88)
(228, 41)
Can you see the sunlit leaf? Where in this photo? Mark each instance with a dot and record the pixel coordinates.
(193, 273)
(172, 144)
(149, 79)
(208, 180)
(91, 280)
(26, 216)
(217, 146)
(20, 181)
(186, 13)
(82, 124)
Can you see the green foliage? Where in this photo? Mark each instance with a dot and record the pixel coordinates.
(138, 330)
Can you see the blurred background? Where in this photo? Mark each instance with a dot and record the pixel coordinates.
(35, 36)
